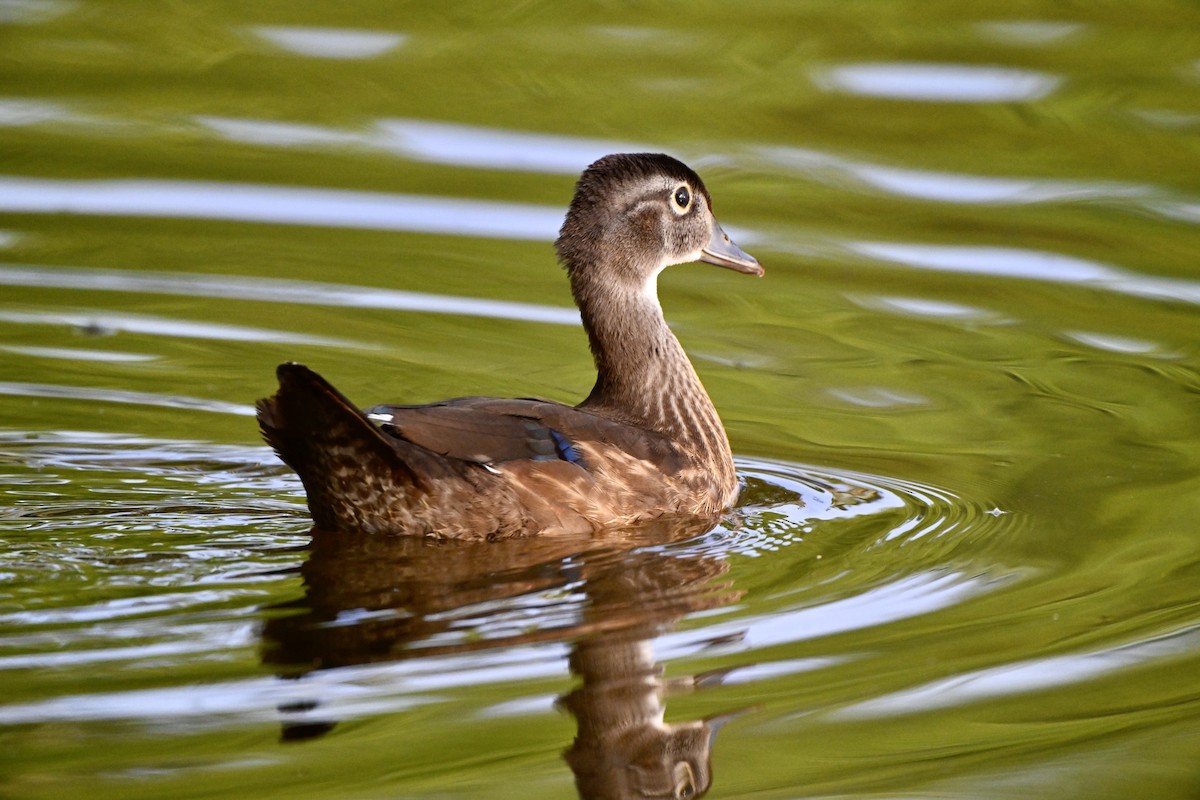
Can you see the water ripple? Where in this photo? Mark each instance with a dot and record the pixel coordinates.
(198, 592)
(77, 354)
(1013, 262)
(784, 501)
(92, 394)
(334, 43)
(941, 83)
(107, 322)
(267, 290)
(199, 463)
(1025, 677)
(282, 205)
(32, 12)
(956, 187)
(874, 550)
(1030, 32)
(432, 142)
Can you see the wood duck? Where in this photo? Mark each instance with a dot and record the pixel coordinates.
(646, 443)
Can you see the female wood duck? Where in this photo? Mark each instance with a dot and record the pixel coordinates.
(646, 442)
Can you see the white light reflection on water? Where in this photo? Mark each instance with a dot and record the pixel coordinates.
(1168, 119)
(963, 188)
(374, 689)
(282, 205)
(1012, 262)
(20, 112)
(1184, 212)
(257, 289)
(32, 12)
(878, 397)
(433, 142)
(1022, 677)
(334, 43)
(923, 307)
(344, 692)
(904, 598)
(116, 609)
(256, 699)
(949, 187)
(107, 323)
(78, 354)
(1029, 32)
(1115, 344)
(941, 83)
(92, 394)
(203, 463)
(429, 141)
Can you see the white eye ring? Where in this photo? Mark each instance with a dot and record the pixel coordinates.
(681, 199)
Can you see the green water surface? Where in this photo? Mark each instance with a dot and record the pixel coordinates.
(964, 399)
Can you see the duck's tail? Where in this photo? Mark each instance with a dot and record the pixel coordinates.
(345, 462)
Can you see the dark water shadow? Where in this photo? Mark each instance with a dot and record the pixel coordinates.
(380, 599)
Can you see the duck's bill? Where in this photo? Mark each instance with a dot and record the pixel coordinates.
(722, 252)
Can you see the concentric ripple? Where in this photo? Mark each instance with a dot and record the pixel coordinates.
(838, 552)
(784, 503)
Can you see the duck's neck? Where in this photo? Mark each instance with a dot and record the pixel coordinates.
(644, 377)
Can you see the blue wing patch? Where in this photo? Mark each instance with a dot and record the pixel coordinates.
(566, 450)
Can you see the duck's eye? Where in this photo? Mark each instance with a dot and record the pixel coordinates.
(682, 199)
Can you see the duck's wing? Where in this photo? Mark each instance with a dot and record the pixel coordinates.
(487, 430)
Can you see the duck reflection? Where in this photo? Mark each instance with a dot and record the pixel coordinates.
(373, 599)
(623, 748)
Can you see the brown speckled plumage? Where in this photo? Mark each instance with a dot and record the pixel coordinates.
(647, 441)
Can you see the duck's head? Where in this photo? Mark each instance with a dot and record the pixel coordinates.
(633, 215)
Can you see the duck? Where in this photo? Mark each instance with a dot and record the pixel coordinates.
(646, 443)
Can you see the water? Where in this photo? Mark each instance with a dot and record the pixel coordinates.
(964, 399)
